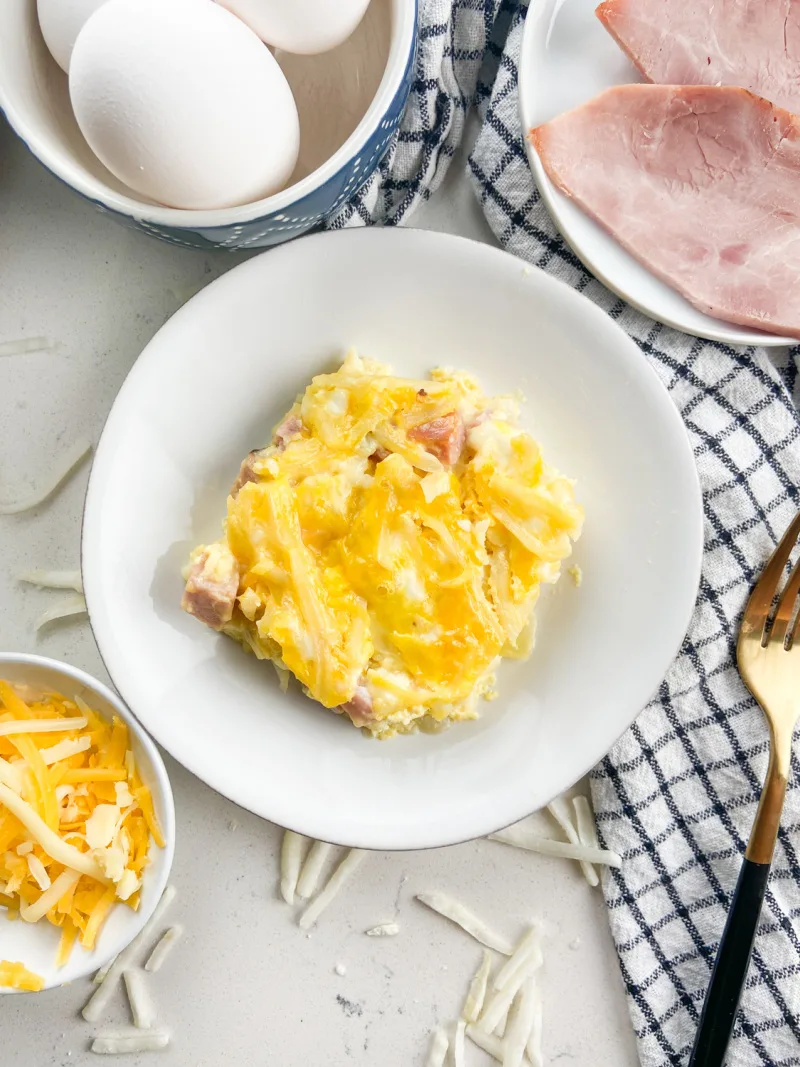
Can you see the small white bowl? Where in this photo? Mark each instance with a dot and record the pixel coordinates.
(35, 944)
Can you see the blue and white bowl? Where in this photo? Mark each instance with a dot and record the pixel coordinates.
(34, 96)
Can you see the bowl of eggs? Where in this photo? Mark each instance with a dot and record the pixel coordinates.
(232, 124)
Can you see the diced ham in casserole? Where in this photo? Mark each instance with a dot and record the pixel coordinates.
(443, 437)
(246, 471)
(289, 428)
(359, 707)
(212, 586)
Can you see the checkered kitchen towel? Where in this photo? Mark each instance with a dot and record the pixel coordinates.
(677, 795)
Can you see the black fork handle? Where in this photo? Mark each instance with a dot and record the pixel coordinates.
(730, 968)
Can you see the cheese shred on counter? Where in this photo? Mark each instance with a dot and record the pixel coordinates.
(75, 818)
(389, 546)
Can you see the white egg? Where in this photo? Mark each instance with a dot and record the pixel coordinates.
(304, 27)
(61, 22)
(183, 103)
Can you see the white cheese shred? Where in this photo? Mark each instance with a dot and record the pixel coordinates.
(498, 1005)
(55, 847)
(23, 345)
(291, 858)
(438, 1048)
(72, 457)
(312, 869)
(527, 952)
(545, 846)
(519, 1026)
(476, 994)
(101, 974)
(383, 930)
(452, 909)
(74, 605)
(98, 1001)
(490, 1044)
(142, 1011)
(334, 884)
(42, 726)
(534, 1044)
(118, 1042)
(156, 958)
(560, 812)
(584, 820)
(459, 1056)
(47, 579)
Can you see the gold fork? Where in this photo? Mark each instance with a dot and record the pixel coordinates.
(768, 654)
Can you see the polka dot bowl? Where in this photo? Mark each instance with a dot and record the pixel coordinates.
(35, 99)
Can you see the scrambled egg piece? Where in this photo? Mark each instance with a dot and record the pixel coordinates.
(389, 546)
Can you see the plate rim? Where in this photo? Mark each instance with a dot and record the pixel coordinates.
(638, 362)
(726, 333)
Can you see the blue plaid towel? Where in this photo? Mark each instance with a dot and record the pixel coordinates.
(677, 795)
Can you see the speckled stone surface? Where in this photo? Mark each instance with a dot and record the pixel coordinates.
(244, 986)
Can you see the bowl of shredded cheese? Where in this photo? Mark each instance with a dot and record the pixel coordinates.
(87, 824)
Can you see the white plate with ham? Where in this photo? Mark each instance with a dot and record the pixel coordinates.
(213, 383)
(681, 199)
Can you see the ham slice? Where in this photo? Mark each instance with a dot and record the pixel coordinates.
(700, 184)
(750, 43)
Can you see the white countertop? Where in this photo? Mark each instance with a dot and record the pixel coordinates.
(245, 985)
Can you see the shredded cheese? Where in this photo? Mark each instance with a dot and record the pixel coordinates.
(156, 959)
(47, 579)
(519, 1026)
(142, 1010)
(118, 1042)
(519, 837)
(560, 812)
(66, 789)
(458, 1045)
(473, 1005)
(534, 1043)
(490, 1044)
(383, 930)
(451, 909)
(584, 819)
(291, 858)
(312, 869)
(335, 883)
(98, 1001)
(527, 950)
(15, 975)
(501, 1000)
(23, 345)
(75, 605)
(438, 1049)
(72, 457)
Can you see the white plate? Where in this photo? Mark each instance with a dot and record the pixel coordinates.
(36, 944)
(210, 386)
(568, 58)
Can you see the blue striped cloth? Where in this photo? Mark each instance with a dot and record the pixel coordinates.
(677, 795)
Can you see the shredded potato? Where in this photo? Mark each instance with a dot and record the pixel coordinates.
(75, 819)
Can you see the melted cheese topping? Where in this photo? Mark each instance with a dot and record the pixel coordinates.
(372, 561)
